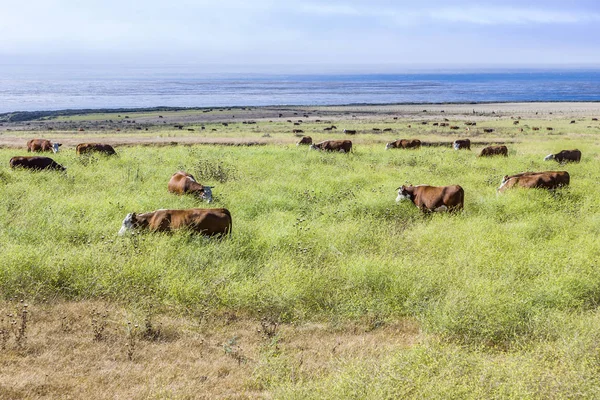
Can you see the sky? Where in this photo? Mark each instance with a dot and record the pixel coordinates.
(293, 35)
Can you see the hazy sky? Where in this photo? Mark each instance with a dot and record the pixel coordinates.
(379, 34)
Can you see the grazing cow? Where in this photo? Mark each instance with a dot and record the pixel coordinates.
(41, 145)
(455, 127)
(573, 121)
(594, 119)
(350, 131)
(304, 140)
(376, 129)
(461, 144)
(516, 123)
(387, 130)
(488, 130)
(436, 124)
(206, 221)
(404, 144)
(85, 148)
(549, 128)
(433, 198)
(297, 131)
(343, 146)
(565, 156)
(494, 151)
(535, 128)
(327, 129)
(35, 163)
(423, 122)
(183, 183)
(544, 180)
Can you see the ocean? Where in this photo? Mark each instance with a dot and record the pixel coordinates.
(33, 88)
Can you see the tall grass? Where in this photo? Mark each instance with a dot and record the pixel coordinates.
(316, 236)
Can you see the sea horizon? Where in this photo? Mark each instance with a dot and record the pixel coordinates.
(39, 88)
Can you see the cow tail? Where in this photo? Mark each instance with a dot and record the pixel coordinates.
(226, 211)
(462, 198)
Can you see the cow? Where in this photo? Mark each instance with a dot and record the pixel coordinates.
(343, 146)
(488, 130)
(494, 151)
(350, 131)
(304, 140)
(455, 127)
(433, 198)
(565, 156)
(545, 180)
(36, 163)
(86, 148)
(183, 183)
(41, 145)
(387, 130)
(297, 131)
(404, 144)
(462, 144)
(206, 221)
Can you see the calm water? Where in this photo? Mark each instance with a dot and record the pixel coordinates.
(53, 88)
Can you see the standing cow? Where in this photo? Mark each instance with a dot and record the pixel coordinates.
(86, 148)
(36, 163)
(494, 151)
(433, 198)
(343, 146)
(462, 144)
(565, 156)
(404, 144)
(42, 145)
(206, 221)
(544, 180)
(183, 183)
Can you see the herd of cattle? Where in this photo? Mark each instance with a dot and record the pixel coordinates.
(217, 221)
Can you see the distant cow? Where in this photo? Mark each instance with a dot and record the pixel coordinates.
(343, 146)
(35, 163)
(461, 144)
(350, 131)
(387, 130)
(86, 148)
(206, 221)
(565, 156)
(544, 180)
(304, 140)
(41, 145)
(488, 130)
(404, 144)
(183, 183)
(297, 131)
(433, 198)
(455, 127)
(494, 151)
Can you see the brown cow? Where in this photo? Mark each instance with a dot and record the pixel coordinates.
(544, 180)
(344, 146)
(404, 144)
(35, 163)
(41, 145)
(565, 156)
(183, 183)
(85, 148)
(304, 140)
(462, 144)
(433, 198)
(206, 221)
(488, 130)
(494, 151)
(297, 131)
(350, 131)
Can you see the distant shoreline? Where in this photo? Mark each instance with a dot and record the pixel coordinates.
(23, 116)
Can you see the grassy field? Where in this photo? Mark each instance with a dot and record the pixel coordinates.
(504, 294)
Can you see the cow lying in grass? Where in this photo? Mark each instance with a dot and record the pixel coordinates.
(206, 221)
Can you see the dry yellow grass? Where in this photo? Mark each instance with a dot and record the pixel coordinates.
(178, 357)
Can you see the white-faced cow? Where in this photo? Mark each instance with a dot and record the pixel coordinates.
(494, 151)
(206, 221)
(304, 140)
(35, 163)
(433, 198)
(565, 156)
(404, 144)
(183, 183)
(461, 144)
(544, 180)
(86, 148)
(343, 146)
(42, 145)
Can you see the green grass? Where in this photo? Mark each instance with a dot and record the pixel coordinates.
(319, 237)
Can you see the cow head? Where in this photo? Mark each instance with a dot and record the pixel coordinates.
(389, 145)
(129, 224)
(403, 194)
(313, 147)
(456, 146)
(549, 157)
(501, 187)
(55, 147)
(207, 194)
